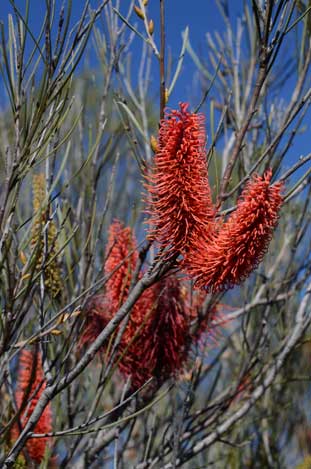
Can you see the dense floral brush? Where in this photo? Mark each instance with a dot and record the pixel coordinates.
(179, 199)
(122, 256)
(157, 336)
(240, 243)
(30, 385)
(121, 253)
(161, 346)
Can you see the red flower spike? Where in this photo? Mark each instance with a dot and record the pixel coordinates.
(121, 243)
(169, 330)
(122, 256)
(161, 348)
(120, 264)
(179, 197)
(122, 251)
(30, 385)
(241, 242)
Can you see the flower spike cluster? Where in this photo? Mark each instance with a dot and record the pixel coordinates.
(157, 337)
(179, 200)
(30, 385)
(215, 254)
(241, 242)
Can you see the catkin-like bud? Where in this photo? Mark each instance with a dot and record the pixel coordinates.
(39, 191)
(139, 12)
(39, 195)
(151, 27)
(46, 246)
(153, 144)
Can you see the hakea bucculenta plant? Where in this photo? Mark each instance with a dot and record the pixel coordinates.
(215, 253)
(179, 198)
(30, 385)
(239, 244)
(45, 260)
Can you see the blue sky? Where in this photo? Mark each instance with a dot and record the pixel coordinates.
(200, 16)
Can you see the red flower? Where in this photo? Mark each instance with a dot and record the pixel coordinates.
(122, 256)
(168, 331)
(30, 385)
(179, 195)
(121, 261)
(161, 348)
(241, 242)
